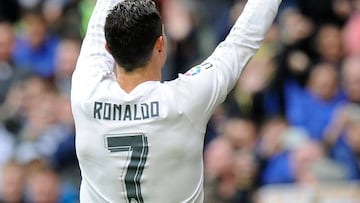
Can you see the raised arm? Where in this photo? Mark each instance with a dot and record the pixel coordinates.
(218, 74)
(93, 52)
(94, 62)
(245, 37)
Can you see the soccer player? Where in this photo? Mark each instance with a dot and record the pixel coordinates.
(138, 139)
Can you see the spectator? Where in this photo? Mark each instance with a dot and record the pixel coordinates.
(42, 133)
(237, 134)
(245, 168)
(219, 179)
(275, 157)
(351, 78)
(9, 73)
(6, 47)
(341, 134)
(351, 42)
(302, 158)
(227, 18)
(11, 115)
(67, 53)
(343, 140)
(35, 51)
(231, 164)
(241, 134)
(294, 61)
(231, 174)
(13, 183)
(248, 99)
(320, 11)
(68, 17)
(271, 136)
(294, 27)
(64, 158)
(320, 98)
(343, 9)
(44, 186)
(328, 44)
(182, 35)
(7, 146)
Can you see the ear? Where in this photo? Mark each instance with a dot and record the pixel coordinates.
(160, 44)
(107, 48)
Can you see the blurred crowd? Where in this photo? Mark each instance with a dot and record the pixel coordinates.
(293, 117)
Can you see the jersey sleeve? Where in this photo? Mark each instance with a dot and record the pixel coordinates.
(204, 87)
(95, 62)
(93, 49)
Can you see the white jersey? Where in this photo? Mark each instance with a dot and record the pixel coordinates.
(147, 145)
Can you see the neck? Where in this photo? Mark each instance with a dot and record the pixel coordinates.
(129, 80)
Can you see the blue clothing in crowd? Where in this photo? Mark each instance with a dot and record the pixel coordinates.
(343, 154)
(306, 110)
(40, 60)
(278, 169)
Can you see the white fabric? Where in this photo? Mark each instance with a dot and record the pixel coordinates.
(173, 170)
(7, 145)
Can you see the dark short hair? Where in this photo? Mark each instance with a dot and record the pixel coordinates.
(131, 30)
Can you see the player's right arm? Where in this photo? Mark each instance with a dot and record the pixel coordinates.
(206, 86)
(94, 62)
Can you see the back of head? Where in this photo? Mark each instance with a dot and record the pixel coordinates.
(131, 30)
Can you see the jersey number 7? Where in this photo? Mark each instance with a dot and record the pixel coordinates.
(137, 145)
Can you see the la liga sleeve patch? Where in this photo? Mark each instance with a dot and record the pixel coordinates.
(198, 69)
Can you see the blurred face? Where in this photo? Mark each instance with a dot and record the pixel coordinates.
(351, 79)
(256, 76)
(67, 54)
(64, 112)
(33, 89)
(44, 113)
(342, 8)
(6, 41)
(44, 187)
(295, 26)
(304, 158)
(177, 20)
(241, 134)
(356, 4)
(271, 137)
(329, 43)
(351, 40)
(353, 136)
(323, 82)
(218, 158)
(36, 30)
(13, 183)
(244, 168)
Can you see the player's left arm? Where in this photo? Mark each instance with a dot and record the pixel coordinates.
(206, 86)
(245, 38)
